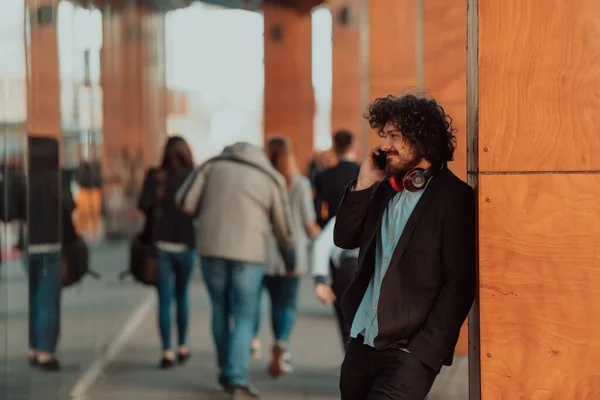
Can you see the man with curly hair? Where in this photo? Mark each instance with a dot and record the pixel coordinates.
(414, 222)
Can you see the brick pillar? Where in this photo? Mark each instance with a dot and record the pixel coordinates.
(533, 84)
(43, 79)
(289, 103)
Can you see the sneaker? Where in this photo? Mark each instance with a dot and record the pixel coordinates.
(244, 393)
(281, 362)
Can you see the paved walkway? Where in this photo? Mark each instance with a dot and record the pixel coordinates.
(95, 312)
(91, 314)
(316, 349)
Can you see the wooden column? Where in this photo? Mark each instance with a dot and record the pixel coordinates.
(43, 79)
(442, 63)
(444, 39)
(112, 81)
(349, 72)
(154, 87)
(289, 102)
(392, 49)
(534, 75)
(134, 83)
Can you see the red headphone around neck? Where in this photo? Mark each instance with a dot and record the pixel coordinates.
(413, 181)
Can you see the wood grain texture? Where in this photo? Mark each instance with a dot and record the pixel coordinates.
(539, 85)
(289, 102)
(445, 67)
(392, 49)
(539, 270)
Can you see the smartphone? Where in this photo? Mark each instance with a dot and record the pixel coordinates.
(380, 160)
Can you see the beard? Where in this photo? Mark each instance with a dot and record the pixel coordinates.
(399, 168)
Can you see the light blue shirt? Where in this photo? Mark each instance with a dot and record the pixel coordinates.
(394, 220)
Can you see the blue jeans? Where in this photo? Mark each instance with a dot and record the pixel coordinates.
(233, 287)
(174, 271)
(44, 301)
(284, 305)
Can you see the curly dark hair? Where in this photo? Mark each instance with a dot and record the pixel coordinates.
(421, 121)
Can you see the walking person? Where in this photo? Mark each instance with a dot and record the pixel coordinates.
(42, 205)
(414, 222)
(283, 287)
(172, 232)
(240, 200)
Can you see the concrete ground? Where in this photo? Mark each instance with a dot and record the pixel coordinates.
(96, 312)
(316, 350)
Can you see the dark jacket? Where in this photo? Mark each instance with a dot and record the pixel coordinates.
(45, 200)
(330, 186)
(165, 222)
(429, 288)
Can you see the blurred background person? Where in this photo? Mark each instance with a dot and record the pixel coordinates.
(282, 287)
(239, 198)
(320, 161)
(172, 232)
(331, 183)
(338, 265)
(43, 209)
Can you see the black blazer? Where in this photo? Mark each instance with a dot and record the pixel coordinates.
(429, 287)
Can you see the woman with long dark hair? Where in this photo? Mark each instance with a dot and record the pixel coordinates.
(172, 232)
(283, 287)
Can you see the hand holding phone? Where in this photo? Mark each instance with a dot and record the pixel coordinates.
(380, 160)
(372, 169)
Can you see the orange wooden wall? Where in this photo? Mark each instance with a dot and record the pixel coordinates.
(445, 67)
(536, 158)
(289, 103)
(392, 49)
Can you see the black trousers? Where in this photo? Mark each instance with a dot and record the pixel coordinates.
(340, 280)
(391, 374)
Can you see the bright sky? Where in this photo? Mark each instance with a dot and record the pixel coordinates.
(215, 52)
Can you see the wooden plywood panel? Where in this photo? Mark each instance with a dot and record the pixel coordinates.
(445, 67)
(392, 46)
(392, 49)
(289, 102)
(539, 270)
(539, 85)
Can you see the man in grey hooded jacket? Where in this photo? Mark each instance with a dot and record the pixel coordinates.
(241, 204)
